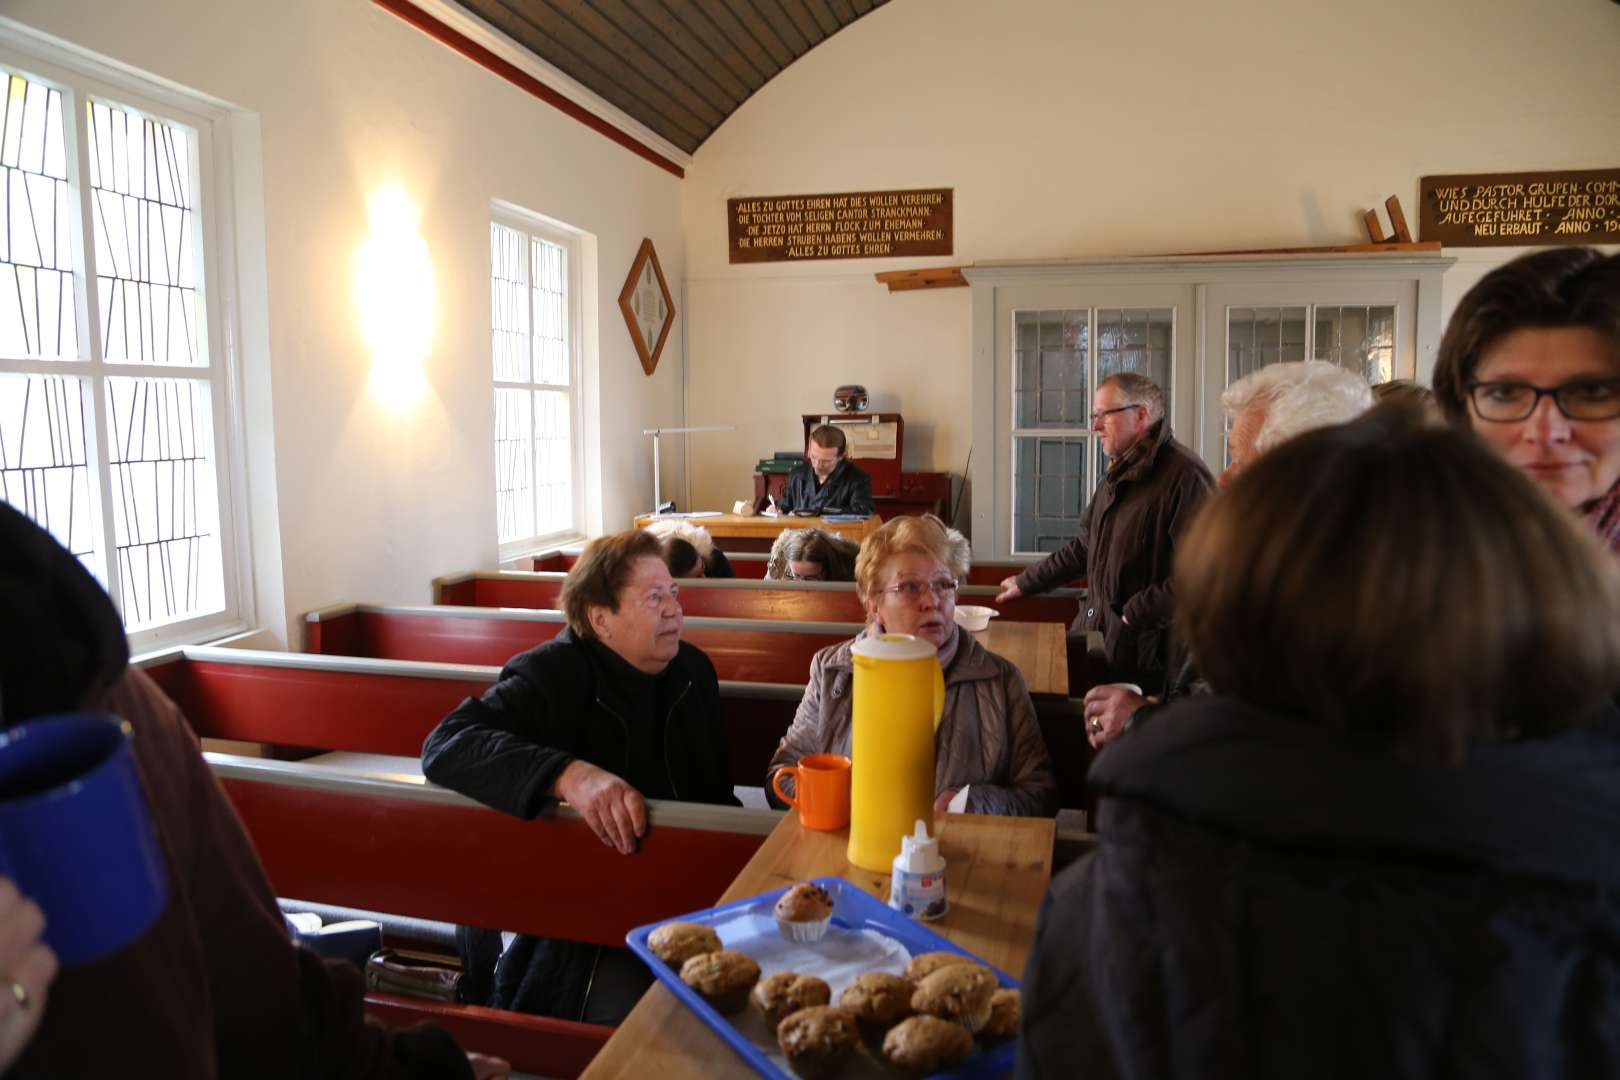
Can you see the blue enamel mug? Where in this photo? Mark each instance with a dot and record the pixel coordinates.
(76, 835)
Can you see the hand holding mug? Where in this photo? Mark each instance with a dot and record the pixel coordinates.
(27, 967)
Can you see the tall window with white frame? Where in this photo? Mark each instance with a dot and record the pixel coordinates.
(1059, 359)
(533, 274)
(108, 394)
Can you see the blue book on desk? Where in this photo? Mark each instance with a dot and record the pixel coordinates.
(842, 519)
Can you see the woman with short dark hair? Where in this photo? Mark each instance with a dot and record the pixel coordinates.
(1387, 848)
(613, 711)
(1531, 363)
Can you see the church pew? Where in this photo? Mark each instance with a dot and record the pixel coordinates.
(414, 849)
(752, 564)
(738, 599)
(744, 650)
(389, 706)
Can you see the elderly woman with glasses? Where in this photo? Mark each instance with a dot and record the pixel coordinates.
(1531, 363)
(988, 740)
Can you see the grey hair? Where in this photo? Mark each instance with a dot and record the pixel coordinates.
(696, 535)
(1298, 396)
(1138, 390)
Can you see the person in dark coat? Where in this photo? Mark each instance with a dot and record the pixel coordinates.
(214, 987)
(1389, 846)
(613, 711)
(827, 482)
(1127, 535)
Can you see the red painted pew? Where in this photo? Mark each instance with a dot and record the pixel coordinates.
(389, 706)
(743, 650)
(752, 564)
(417, 850)
(737, 599)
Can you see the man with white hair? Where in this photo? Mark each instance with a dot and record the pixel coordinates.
(1265, 408)
(1272, 405)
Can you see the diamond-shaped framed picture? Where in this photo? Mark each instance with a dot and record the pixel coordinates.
(648, 309)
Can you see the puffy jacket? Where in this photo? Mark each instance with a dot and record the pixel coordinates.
(1125, 547)
(1270, 901)
(987, 736)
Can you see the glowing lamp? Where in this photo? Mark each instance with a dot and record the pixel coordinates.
(394, 289)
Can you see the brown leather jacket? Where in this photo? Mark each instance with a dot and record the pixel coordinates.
(1125, 547)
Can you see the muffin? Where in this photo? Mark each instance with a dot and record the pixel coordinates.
(677, 942)
(925, 964)
(879, 1000)
(1005, 1004)
(959, 992)
(724, 978)
(787, 992)
(803, 913)
(817, 1040)
(926, 1044)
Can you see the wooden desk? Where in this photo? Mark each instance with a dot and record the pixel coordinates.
(999, 869)
(760, 528)
(1039, 650)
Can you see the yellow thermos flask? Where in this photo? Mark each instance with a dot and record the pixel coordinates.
(899, 695)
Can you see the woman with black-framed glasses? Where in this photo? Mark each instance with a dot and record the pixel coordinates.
(1531, 363)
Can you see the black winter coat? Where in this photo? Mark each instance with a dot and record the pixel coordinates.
(570, 699)
(1268, 901)
(1125, 548)
(847, 491)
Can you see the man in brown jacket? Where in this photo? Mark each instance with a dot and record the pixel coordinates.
(1127, 537)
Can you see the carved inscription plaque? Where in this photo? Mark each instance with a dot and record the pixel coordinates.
(849, 225)
(1507, 209)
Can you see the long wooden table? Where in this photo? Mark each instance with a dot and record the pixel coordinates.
(998, 869)
(1038, 650)
(761, 528)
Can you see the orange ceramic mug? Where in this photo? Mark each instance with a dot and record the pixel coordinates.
(822, 784)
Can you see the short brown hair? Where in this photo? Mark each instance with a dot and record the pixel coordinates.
(830, 437)
(1564, 287)
(1138, 390)
(1400, 580)
(599, 576)
(925, 535)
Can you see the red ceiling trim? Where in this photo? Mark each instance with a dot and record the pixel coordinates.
(515, 75)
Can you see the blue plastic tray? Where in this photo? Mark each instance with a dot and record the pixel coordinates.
(745, 922)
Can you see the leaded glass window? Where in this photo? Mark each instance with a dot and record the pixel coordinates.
(536, 391)
(100, 284)
(1059, 358)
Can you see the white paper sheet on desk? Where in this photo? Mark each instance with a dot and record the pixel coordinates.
(837, 958)
(958, 803)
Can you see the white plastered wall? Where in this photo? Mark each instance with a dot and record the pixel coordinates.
(371, 503)
(1118, 127)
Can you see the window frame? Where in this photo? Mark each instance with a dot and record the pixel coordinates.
(537, 226)
(80, 75)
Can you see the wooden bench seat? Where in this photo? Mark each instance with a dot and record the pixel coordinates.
(744, 650)
(389, 706)
(411, 848)
(739, 599)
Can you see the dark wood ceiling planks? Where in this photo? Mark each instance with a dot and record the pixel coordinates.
(678, 66)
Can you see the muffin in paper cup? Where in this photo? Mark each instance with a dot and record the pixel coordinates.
(804, 912)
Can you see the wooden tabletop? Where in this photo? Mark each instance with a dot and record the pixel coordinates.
(997, 871)
(1039, 650)
(758, 526)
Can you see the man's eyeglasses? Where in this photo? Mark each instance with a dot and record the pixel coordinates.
(913, 590)
(1508, 402)
(1098, 416)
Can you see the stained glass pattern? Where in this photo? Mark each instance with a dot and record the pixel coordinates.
(1259, 336)
(164, 505)
(1049, 491)
(551, 353)
(144, 228)
(514, 464)
(509, 308)
(1359, 338)
(38, 309)
(554, 463)
(44, 459)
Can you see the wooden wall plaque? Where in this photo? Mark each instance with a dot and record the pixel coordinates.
(1521, 209)
(846, 225)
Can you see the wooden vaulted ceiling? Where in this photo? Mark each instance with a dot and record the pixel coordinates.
(678, 66)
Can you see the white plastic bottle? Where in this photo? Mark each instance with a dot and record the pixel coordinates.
(917, 887)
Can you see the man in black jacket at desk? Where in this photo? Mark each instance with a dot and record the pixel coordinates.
(827, 482)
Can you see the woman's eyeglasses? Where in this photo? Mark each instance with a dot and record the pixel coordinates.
(913, 590)
(1508, 402)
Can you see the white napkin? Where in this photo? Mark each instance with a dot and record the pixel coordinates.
(958, 803)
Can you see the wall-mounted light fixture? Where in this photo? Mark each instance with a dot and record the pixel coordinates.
(394, 289)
